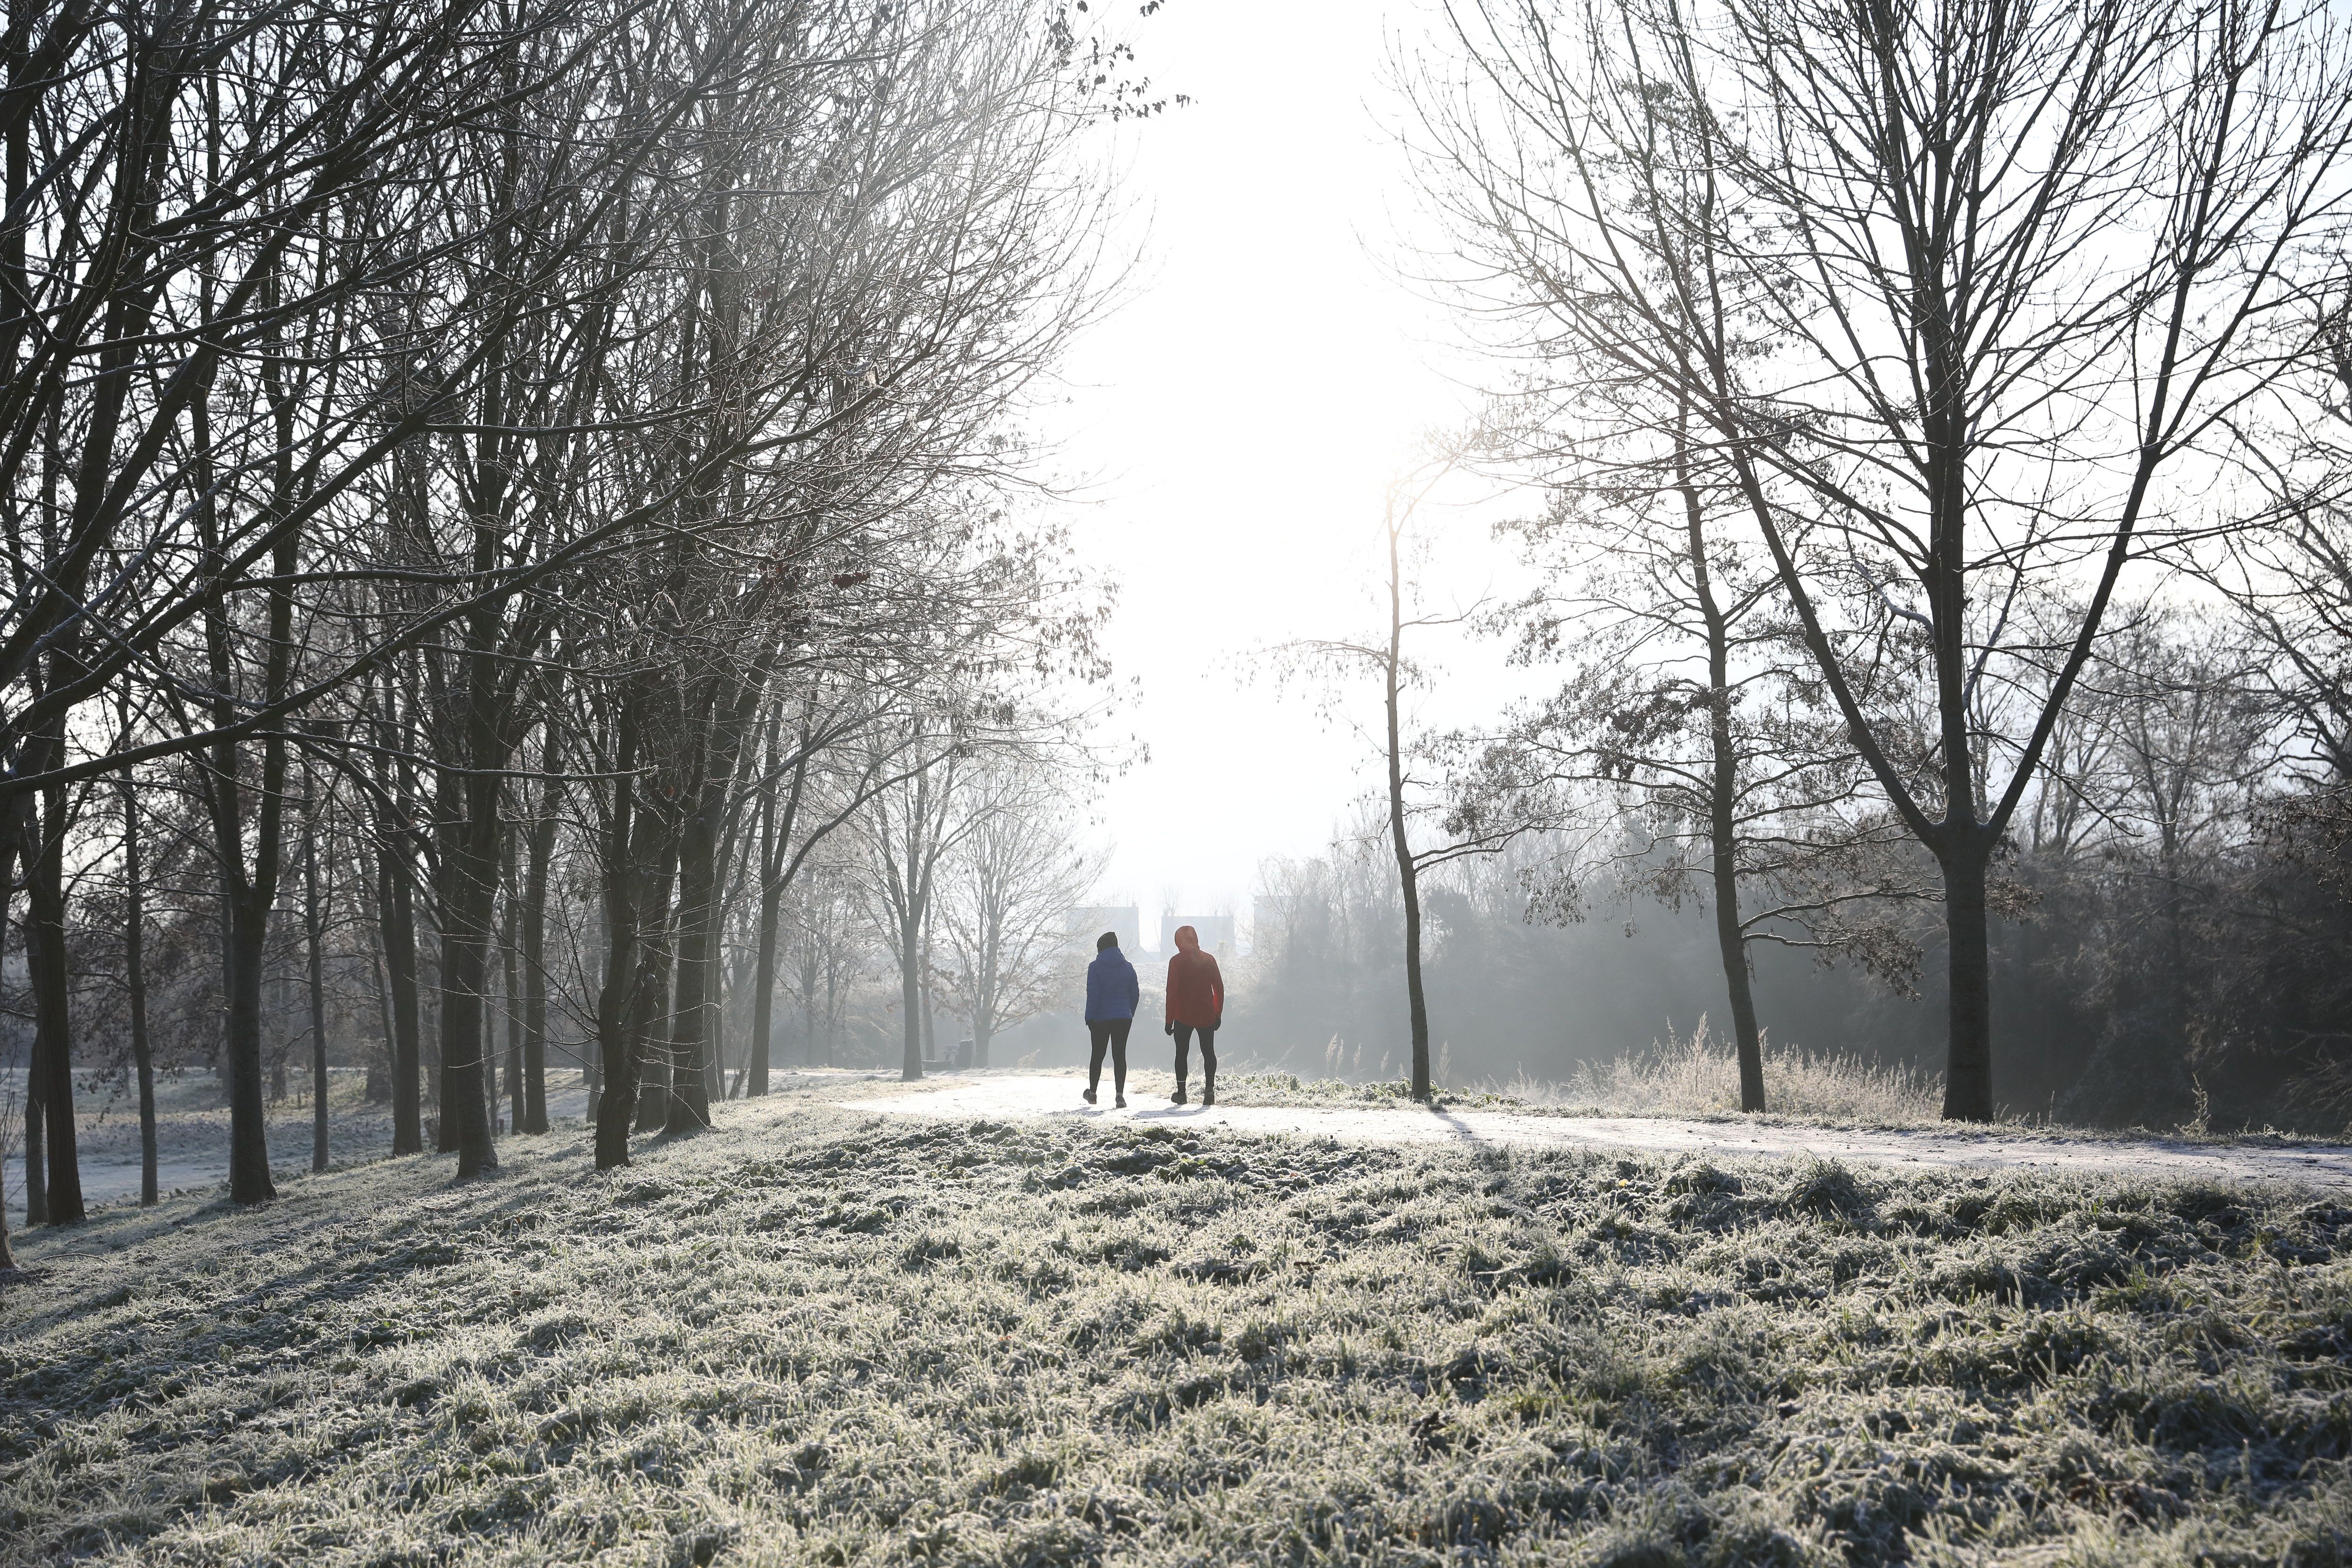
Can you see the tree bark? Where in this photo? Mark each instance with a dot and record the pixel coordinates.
(1967, 1082)
(1723, 791)
(36, 1153)
(540, 855)
(615, 1101)
(469, 894)
(36, 1158)
(910, 991)
(248, 1138)
(1408, 869)
(134, 968)
(657, 1063)
(397, 920)
(52, 993)
(697, 892)
(1731, 947)
(510, 987)
(649, 1024)
(763, 973)
(449, 814)
(314, 930)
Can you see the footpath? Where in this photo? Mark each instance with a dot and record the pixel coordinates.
(999, 1098)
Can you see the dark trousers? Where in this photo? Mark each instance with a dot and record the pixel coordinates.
(1108, 1033)
(1208, 1054)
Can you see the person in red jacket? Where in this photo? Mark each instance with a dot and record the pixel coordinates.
(1196, 1000)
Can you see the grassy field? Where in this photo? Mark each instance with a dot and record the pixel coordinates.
(815, 1336)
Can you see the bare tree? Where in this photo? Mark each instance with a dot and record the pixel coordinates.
(1690, 751)
(1408, 799)
(1009, 889)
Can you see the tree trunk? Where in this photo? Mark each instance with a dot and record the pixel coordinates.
(1416, 1004)
(591, 1054)
(134, 969)
(510, 987)
(697, 890)
(52, 992)
(428, 1034)
(8, 1258)
(249, 1135)
(314, 930)
(931, 1008)
(379, 1078)
(1968, 1081)
(469, 892)
(652, 1028)
(911, 991)
(615, 1100)
(1731, 946)
(763, 985)
(36, 1158)
(448, 1019)
(36, 1184)
(808, 1006)
(541, 852)
(775, 844)
(1723, 794)
(491, 1054)
(396, 917)
(650, 1021)
(1408, 869)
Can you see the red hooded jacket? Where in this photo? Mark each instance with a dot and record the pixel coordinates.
(1196, 991)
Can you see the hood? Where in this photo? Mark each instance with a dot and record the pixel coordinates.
(1187, 940)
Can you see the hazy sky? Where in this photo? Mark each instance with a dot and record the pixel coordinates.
(1238, 417)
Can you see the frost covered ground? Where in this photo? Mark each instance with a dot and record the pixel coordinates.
(819, 1334)
(192, 1131)
(1380, 1113)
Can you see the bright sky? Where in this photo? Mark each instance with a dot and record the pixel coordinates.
(1238, 417)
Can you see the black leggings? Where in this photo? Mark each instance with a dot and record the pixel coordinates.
(1208, 1054)
(1110, 1033)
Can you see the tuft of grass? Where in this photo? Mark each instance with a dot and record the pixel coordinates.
(814, 1336)
(1693, 1075)
(1698, 1074)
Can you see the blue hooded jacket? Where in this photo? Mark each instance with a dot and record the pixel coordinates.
(1111, 991)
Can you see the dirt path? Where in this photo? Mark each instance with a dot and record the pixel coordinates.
(2318, 1166)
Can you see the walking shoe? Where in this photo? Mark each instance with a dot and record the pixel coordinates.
(1209, 1096)
(1088, 1097)
(1177, 1097)
(1123, 1103)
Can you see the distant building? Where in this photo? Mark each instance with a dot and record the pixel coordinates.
(1088, 923)
(1216, 932)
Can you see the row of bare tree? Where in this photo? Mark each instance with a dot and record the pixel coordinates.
(454, 454)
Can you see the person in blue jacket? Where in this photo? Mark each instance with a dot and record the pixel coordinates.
(1111, 995)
